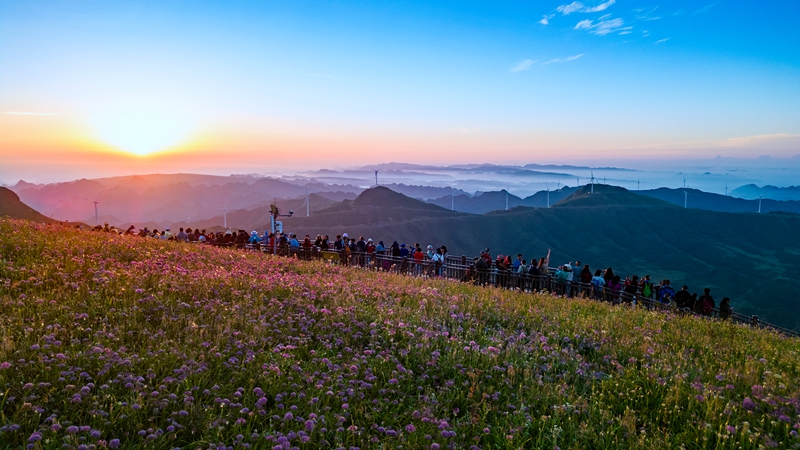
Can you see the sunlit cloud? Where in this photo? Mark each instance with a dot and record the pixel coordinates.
(525, 64)
(546, 19)
(28, 113)
(563, 60)
(661, 41)
(583, 25)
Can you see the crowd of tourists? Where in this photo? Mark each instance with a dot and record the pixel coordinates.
(573, 279)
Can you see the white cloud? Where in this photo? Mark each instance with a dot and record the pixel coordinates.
(600, 7)
(546, 19)
(565, 59)
(661, 41)
(571, 8)
(609, 26)
(28, 113)
(583, 24)
(580, 7)
(525, 64)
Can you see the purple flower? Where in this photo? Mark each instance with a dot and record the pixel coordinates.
(309, 425)
(434, 446)
(36, 436)
(410, 428)
(72, 429)
(748, 404)
(5, 365)
(136, 406)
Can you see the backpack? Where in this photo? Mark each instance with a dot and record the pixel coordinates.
(647, 290)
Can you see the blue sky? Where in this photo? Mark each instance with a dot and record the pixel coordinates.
(431, 81)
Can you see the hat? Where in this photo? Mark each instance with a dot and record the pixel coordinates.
(369, 240)
(344, 235)
(167, 228)
(402, 245)
(430, 247)
(254, 233)
(227, 232)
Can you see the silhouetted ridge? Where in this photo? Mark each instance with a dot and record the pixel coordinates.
(382, 196)
(12, 206)
(605, 195)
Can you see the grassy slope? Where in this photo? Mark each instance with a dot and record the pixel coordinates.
(750, 258)
(11, 206)
(162, 345)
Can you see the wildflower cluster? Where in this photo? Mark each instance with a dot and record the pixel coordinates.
(109, 342)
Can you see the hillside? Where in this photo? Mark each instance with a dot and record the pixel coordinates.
(752, 192)
(12, 207)
(496, 200)
(750, 258)
(140, 343)
(375, 207)
(715, 202)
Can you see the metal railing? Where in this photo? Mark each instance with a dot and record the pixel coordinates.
(462, 269)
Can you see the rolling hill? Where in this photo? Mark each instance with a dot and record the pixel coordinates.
(11, 206)
(751, 258)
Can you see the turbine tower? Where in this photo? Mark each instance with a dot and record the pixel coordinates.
(376, 175)
(759, 203)
(96, 202)
(506, 199)
(685, 199)
(307, 204)
(592, 181)
(548, 197)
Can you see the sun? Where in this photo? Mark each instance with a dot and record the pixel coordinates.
(141, 132)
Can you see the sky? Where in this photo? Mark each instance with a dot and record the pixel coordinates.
(99, 88)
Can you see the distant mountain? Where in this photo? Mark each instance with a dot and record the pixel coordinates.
(375, 207)
(11, 206)
(752, 192)
(259, 218)
(162, 200)
(496, 200)
(751, 258)
(716, 202)
(605, 196)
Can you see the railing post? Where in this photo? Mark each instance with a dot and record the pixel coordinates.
(753, 321)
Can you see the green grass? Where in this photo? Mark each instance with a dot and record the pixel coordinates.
(144, 344)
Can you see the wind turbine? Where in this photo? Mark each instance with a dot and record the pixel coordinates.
(578, 184)
(684, 182)
(307, 204)
(637, 184)
(225, 215)
(452, 202)
(685, 199)
(548, 197)
(96, 202)
(506, 199)
(759, 203)
(376, 176)
(592, 181)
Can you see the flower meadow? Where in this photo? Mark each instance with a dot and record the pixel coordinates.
(117, 342)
